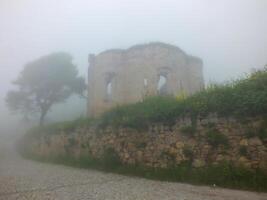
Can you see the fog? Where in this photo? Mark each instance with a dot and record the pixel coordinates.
(229, 35)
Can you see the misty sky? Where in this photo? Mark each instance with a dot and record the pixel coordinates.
(229, 35)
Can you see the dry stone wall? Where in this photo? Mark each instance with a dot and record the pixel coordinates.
(164, 146)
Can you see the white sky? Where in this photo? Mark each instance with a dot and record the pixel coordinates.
(229, 35)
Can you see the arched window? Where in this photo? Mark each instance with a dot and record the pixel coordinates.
(109, 86)
(162, 90)
(109, 90)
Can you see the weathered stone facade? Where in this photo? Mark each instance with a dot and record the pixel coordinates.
(118, 77)
(162, 146)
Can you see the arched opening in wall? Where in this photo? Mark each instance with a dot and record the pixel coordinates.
(162, 87)
(109, 86)
(109, 91)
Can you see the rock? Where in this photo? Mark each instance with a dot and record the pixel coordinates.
(131, 146)
(197, 163)
(173, 151)
(255, 141)
(163, 165)
(126, 155)
(179, 145)
(206, 146)
(261, 148)
(220, 157)
(178, 159)
(243, 161)
(244, 142)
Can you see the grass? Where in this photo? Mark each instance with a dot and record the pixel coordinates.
(157, 109)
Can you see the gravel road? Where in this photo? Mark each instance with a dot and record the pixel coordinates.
(25, 179)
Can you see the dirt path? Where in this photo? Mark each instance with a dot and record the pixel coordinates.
(24, 179)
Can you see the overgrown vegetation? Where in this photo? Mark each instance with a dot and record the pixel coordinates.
(242, 98)
(141, 114)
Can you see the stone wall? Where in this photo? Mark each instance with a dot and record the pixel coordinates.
(163, 146)
(117, 77)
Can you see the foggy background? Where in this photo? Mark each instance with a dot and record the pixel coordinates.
(229, 35)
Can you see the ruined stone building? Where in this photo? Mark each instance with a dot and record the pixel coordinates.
(119, 76)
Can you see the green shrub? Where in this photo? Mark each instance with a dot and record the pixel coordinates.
(140, 115)
(215, 138)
